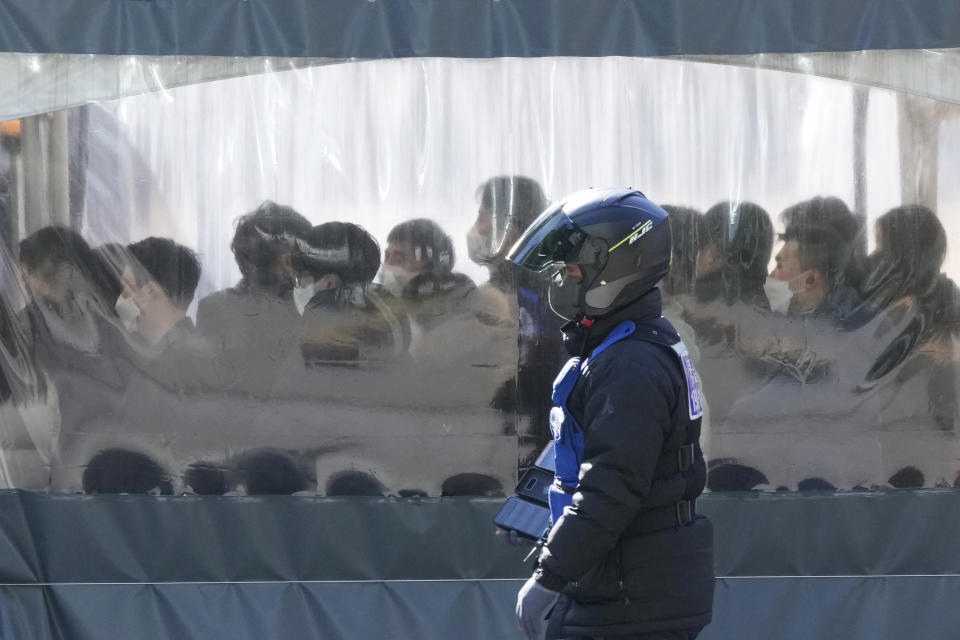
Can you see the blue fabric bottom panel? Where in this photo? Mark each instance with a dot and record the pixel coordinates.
(786, 608)
(830, 608)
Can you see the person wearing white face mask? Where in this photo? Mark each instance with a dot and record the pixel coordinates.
(813, 274)
(346, 318)
(459, 331)
(158, 286)
(508, 204)
(809, 278)
(159, 278)
(306, 288)
(790, 288)
(416, 248)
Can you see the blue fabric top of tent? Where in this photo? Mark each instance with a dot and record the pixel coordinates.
(473, 28)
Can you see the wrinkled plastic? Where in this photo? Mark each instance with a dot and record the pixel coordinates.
(291, 374)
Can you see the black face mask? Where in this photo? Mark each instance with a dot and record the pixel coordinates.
(564, 296)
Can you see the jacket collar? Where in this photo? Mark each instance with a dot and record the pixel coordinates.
(579, 338)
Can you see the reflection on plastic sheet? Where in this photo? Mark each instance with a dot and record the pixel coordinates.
(295, 283)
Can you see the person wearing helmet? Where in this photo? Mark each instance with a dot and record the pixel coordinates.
(627, 555)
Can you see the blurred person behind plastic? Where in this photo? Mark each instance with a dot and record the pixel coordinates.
(253, 326)
(678, 284)
(918, 367)
(814, 266)
(720, 262)
(811, 299)
(507, 206)
(29, 415)
(418, 267)
(811, 292)
(463, 349)
(733, 244)
(67, 281)
(159, 282)
(124, 447)
(346, 318)
(72, 326)
(851, 389)
(911, 246)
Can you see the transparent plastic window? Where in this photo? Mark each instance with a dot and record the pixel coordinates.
(293, 281)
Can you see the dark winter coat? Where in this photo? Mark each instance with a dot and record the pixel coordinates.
(618, 577)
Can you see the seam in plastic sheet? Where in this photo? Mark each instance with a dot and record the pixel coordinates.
(451, 580)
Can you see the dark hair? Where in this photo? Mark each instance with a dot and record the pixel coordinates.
(354, 483)
(683, 242)
(472, 484)
(516, 197)
(207, 479)
(912, 248)
(267, 472)
(53, 247)
(913, 237)
(743, 235)
(431, 245)
(829, 212)
(124, 471)
(818, 248)
(343, 248)
(262, 236)
(174, 267)
(825, 231)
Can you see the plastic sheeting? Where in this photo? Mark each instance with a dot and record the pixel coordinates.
(824, 329)
(309, 361)
(49, 82)
(39, 83)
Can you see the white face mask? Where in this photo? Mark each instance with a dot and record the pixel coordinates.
(129, 313)
(478, 246)
(394, 279)
(779, 294)
(303, 295)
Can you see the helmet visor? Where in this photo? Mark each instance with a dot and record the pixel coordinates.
(552, 238)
